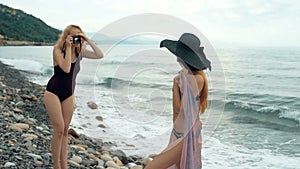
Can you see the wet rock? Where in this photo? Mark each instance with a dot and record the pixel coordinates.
(101, 125)
(15, 128)
(117, 161)
(92, 156)
(9, 164)
(16, 110)
(34, 98)
(35, 156)
(31, 148)
(137, 167)
(28, 143)
(31, 121)
(20, 104)
(100, 162)
(29, 136)
(73, 133)
(79, 148)
(25, 96)
(112, 164)
(5, 114)
(123, 167)
(38, 163)
(92, 105)
(130, 165)
(100, 118)
(106, 157)
(133, 158)
(73, 163)
(22, 126)
(76, 159)
(18, 117)
(89, 162)
(121, 155)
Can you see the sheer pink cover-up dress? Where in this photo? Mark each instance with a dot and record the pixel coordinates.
(188, 125)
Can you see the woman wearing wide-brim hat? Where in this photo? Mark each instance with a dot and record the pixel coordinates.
(190, 99)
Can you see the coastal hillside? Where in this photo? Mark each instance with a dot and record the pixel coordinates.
(16, 25)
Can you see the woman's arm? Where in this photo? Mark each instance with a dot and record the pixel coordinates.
(63, 62)
(95, 54)
(176, 99)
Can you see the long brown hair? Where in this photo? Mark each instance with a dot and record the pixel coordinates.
(61, 42)
(204, 93)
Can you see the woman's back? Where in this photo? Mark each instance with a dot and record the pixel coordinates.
(194, 82)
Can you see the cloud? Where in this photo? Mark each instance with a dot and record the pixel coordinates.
(262, 10)
(233, 16)
(138, 6)
(188, 7)
(218, 4)
(160, 6)
(228, 20)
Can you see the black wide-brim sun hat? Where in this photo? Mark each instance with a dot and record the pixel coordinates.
(188, 49)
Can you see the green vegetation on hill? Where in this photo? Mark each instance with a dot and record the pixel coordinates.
(15, 25)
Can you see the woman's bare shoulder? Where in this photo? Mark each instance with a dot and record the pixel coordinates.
(197, 77)
(56, 49)
(199, 80)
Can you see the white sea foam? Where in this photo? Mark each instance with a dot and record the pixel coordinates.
(220, 155)
(27, 65)
(294, 115)
(120, 129)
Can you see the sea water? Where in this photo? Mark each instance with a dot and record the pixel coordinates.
(259, 126)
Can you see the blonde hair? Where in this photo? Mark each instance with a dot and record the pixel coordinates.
(63, 36)
(204, 93)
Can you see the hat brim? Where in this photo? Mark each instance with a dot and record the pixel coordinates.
(197, 59)
(170, 45)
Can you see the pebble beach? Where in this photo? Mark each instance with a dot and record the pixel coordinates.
(26, 132)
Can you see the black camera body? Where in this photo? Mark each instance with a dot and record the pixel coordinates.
(76, 39)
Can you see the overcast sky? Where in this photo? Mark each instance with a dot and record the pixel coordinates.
(254, 22)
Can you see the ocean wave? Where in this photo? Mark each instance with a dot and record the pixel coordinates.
(112, 62)
(29, 65)
(294, 115)
(115, 83)
(280, 112)
(118, 83)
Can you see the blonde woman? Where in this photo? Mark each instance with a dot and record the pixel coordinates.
(190, 99)
(58, 97)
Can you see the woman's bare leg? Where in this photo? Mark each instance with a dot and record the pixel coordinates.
(67, 109)
(167, 158)
(53, 107)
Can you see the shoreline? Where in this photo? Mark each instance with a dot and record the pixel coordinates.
(26, 134)
(24, 43)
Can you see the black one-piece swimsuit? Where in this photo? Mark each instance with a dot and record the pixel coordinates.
(62, 84)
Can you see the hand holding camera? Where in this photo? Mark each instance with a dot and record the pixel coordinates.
(77, 39)
(69, 41)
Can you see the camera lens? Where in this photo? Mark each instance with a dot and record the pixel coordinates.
(76, 39)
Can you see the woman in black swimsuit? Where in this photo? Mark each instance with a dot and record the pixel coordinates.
(58, 97)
